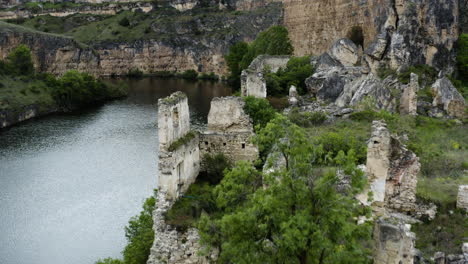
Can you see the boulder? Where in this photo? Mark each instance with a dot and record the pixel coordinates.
(227, 116)
(345, 51)
(293, 101)
(448, 97)
(375, 91)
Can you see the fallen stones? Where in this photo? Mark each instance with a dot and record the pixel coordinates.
(448, 98)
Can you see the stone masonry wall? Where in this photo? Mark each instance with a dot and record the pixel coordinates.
(178, 168)
(229, 130)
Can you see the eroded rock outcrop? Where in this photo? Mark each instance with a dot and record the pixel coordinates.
(448, 98)
(395, 33)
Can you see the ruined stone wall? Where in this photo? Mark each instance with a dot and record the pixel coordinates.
(394, 243)
(178, 166)
(229, 130)
(252, 81)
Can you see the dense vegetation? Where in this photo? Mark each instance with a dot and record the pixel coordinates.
(296, 72)
(140, 235)
(274, 41)
(21, 86)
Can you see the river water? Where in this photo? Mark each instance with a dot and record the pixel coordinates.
(70, 183)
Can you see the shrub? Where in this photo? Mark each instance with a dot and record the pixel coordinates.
(208, 76)
(306, 119)
(189, 75)
(124, 22)
(182, 141)
(20, 61)
(259, 110)
(135, 73)
(426, 73)
(297, 70)
(273, 41)
(215, 164)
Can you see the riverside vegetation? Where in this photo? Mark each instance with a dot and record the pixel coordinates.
(21, 87)
(298, 219)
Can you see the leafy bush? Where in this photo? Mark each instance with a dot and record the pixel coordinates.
(297, 70)
(19, 61)
(208, 76)
(182, 141)
(189, 75)
(462, 56)
(215, 165)
(124, 22)
(259, 110)
(306, 119)
(273, 41)
(426, 73)
(135, 73)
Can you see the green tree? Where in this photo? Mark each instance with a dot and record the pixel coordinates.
(298, 217)
(260, 110)
(233, 61)
(462, 56)
(273, 41)
(20, 61)
(296, 72)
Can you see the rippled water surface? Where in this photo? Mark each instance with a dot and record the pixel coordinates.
(69, 183)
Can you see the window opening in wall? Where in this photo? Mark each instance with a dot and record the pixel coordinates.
(243, 145)
(206, 142)
(175, 116)
(224, 144)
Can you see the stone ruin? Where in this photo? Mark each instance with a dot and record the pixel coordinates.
(229, 130)
(462, 197)
(252, 81)
(180, 154)
(447, 97)
(391, 170)
(179, 157)
(409, 97)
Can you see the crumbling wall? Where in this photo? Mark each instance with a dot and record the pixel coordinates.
(179, 157)
(462, 197)
(409, 98)
(394, 243)
(170, 245)
(229, 130)
(252, 81)
(392, 171)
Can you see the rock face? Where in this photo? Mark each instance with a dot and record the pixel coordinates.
(409, 98)
(199, 44)
(179, 165)
(51, 53)
(404, 32)
(345, 51)
(448, 98)
(229, 130)
(252, 81)
(462, 198)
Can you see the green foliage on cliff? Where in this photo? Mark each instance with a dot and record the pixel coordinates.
(140, 235)
(18, 62)
(297, 70)
(297, 218)
(274, 41)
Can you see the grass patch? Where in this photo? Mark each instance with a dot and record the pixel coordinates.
(182, 141)
(19, 92)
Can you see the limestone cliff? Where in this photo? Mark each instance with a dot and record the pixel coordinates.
(174, 41)
(412, 32)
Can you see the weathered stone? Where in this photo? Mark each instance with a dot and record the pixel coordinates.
(292, 99)
(448, 97)
(172, 246)
(377, 48)
(393, 243)
(462, 197)
(391, 171)
(409, 98)
(227, 116)
(375, 92)
(229, 130)
(252, 81)
(439, 258)
(179, 167)
(345, 51)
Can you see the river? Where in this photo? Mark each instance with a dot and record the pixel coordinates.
(70, 183)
